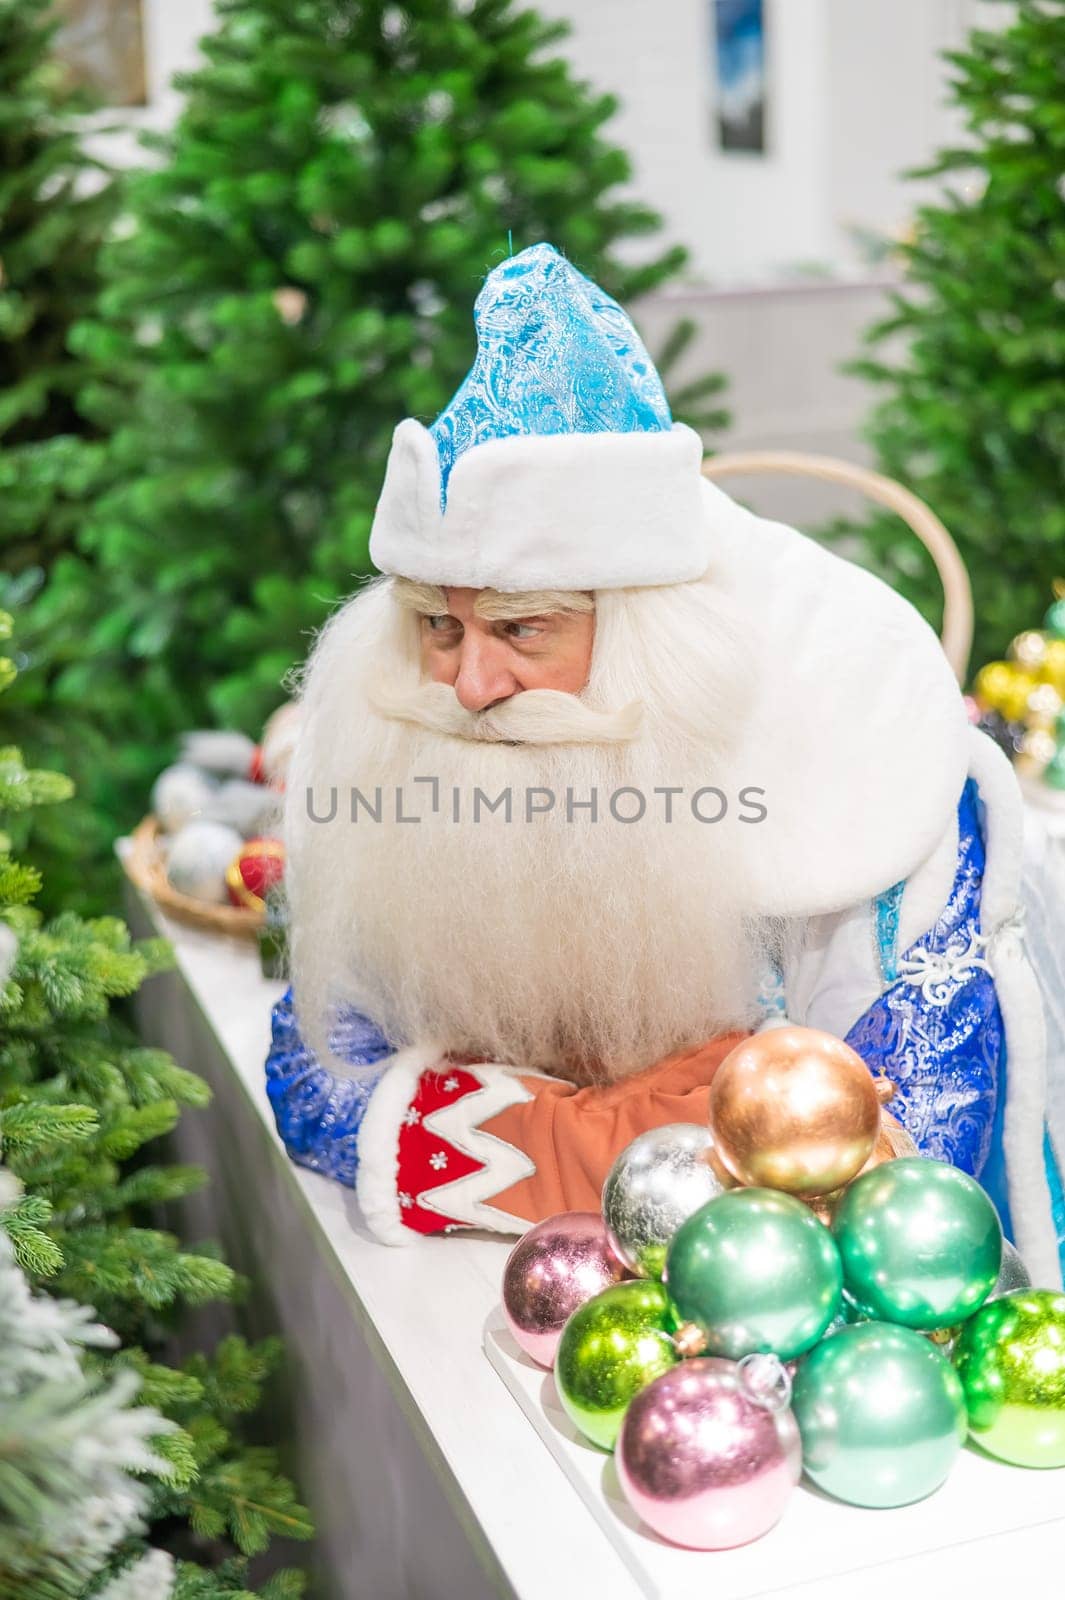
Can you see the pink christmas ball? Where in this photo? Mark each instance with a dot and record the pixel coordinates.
(707, 1457)
(553, 1269)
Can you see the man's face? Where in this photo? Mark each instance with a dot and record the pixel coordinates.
(489, 646)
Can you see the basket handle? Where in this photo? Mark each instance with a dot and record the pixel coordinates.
(957, 635)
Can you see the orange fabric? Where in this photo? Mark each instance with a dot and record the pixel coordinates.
(574, 1135)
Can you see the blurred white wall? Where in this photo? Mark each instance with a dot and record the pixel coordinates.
(855, 95)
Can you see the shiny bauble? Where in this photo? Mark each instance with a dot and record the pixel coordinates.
(1054, 621)
(994, 683)
(881, 1415)
(1029, 649)
(197, 859)
(704, 1460)
(180, 794)
(612, 1347)
(256, 869)
(1043, 707)
(1054, 772)
(1010, 1358)
(756, 1272)
(794, 1109)
(920, 1242)
(554, 1268)
(1052, 669)
(251, 808)
(1012, 1274)
(219, 750)
(654, 1185)
(1037, 747)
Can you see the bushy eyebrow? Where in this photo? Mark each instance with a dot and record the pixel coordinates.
(492, 604)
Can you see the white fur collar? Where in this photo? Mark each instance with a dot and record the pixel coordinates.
(858, 733)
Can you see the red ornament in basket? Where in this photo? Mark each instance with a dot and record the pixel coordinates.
(256, 869)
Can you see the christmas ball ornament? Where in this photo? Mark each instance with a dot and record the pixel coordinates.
(1054, 621)
(1010, 1358)
(251, 808)
(1013, 1274)
(654, 1185)
(920, 1242)
(881, 1414)
(794, 1109)
(1043, 706)
(198, 857)
(1054, 771)
(180, 794)
(755, 1271)
(707, 1457)
(1015, 700)
(1037, 747)
(257, 867)
(219, 750)
(553, 1269)
(1029, 649)
(1053, 667)
(610, 1349)
(993, 684)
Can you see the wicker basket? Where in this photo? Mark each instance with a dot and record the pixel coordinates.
(145, 866)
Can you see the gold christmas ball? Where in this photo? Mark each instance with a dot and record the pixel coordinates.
(892, 1141)
(794, 1109)
(1014, 704)
(1052, 669)
(993, 683)
(1029, 649)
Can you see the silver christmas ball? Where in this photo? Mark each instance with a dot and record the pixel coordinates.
(654, 1185)
(251, 808)
(198, 857)
(1013, 1274)
(180, 794)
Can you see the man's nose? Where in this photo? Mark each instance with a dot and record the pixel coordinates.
(483, 675)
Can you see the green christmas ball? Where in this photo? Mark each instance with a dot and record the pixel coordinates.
(920, 1241)
(1053, 773)
(1054, 621)
(1010, 1358)
(881, 1414)
(757, 1272)
(610, 1349)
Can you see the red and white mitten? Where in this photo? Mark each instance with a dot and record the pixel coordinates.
(449, 1143)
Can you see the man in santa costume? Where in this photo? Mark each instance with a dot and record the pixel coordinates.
(601, 774)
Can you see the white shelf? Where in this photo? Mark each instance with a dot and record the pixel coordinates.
(536, 1511)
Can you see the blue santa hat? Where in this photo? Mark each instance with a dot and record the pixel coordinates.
(557, 464)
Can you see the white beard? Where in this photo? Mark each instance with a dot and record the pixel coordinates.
(586, 949)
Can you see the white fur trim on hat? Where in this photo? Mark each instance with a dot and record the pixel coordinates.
(545, 511)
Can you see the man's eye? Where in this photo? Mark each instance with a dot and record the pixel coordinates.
(525, 630)
(440, 624)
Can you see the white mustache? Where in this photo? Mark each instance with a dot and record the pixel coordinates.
(533, 716)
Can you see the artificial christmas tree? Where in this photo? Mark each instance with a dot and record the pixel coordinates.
(297, 275)
(974, 419)
(56, 204)
(80, 1099)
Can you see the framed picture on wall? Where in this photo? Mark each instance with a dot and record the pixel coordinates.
(101, 45)
(739, 50)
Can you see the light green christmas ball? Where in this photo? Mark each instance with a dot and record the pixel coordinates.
(1010, 1358)
(610, 1349)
